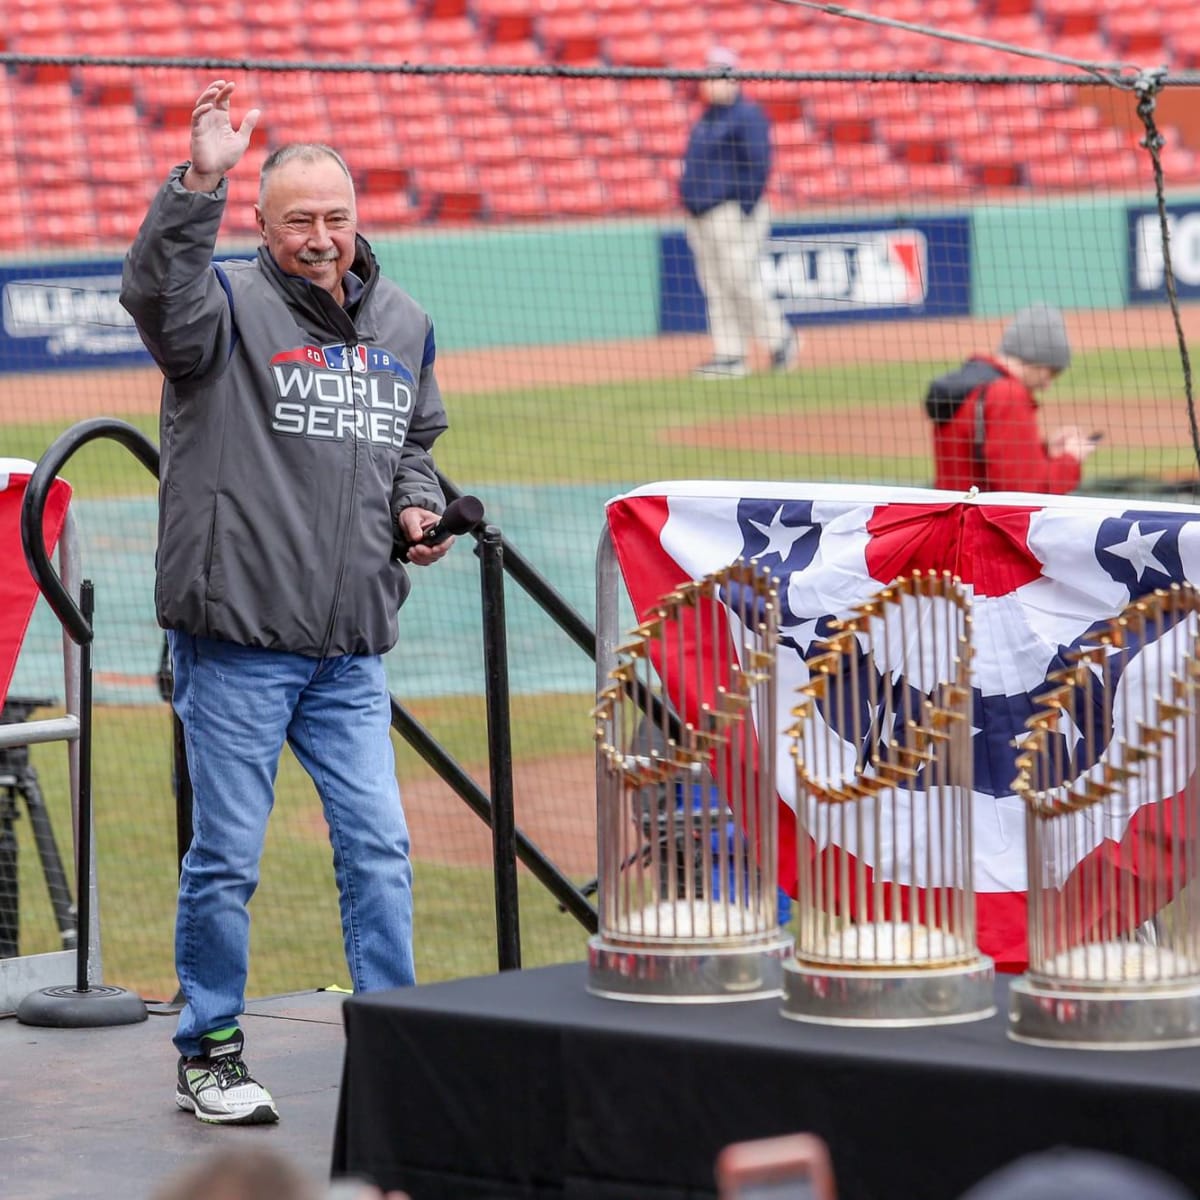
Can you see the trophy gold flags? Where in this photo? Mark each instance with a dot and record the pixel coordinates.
(687, 825)
(885, 927)
(1108, 776)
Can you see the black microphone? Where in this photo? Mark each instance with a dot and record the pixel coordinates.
(461, 516)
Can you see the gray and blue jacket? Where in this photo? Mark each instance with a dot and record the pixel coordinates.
(292, 432)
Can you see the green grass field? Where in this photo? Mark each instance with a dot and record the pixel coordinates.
(584, 435)
(616, 432)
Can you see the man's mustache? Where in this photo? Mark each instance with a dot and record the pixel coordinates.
(318, 256)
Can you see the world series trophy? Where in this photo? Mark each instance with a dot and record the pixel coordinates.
(686, 801)
(882, 742)
(1108, 774)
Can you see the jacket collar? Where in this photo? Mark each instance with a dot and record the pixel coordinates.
(317, 301)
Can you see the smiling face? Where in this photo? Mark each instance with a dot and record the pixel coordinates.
(307, 219)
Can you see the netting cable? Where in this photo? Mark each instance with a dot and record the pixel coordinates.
(1146, 87)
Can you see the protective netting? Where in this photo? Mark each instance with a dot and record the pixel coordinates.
(517, 169)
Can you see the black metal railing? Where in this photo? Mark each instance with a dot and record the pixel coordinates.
(497, 557)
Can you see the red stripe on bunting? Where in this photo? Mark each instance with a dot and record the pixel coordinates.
(18, 592)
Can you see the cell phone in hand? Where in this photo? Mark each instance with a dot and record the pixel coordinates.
(1097, 435)
(796, 1166)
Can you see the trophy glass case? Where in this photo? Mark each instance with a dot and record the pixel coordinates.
(885, 928)
(687, 821)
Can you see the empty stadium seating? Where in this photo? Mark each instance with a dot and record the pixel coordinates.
(467, 147)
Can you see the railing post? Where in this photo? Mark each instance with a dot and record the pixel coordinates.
(495, 655)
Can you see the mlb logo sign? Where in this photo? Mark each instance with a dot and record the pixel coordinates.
(346, 358)
(829, 272)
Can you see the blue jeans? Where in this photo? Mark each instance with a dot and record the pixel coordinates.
(238, 705)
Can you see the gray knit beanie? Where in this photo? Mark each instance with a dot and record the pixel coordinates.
(1038, 335)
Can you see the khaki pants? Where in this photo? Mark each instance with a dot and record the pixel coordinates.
(727, 245)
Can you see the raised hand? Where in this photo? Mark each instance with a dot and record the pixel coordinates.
(216, 145)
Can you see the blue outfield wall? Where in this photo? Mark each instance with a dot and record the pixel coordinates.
(832, 272)
(613, 280)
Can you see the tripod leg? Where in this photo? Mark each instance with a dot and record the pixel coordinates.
(9, 887)
(47, 848)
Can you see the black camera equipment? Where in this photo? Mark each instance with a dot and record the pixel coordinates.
(19, 784)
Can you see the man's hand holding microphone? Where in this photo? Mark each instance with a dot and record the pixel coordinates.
(424, 536)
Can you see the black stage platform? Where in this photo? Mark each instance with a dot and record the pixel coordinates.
(523, 1085)
(89, 1114)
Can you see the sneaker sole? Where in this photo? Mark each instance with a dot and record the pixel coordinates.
(262, 1114)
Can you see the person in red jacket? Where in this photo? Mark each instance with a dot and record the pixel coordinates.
(986, 429)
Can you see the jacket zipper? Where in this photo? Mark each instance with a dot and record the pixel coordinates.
(336, 602)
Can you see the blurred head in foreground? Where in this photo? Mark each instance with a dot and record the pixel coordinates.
(1067, 1174)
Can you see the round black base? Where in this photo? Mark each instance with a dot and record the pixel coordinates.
(68, 1008)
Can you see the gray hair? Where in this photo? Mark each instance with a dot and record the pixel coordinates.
(306, 152)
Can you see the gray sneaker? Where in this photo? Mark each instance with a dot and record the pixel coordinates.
(721, 368)
(217, 1085)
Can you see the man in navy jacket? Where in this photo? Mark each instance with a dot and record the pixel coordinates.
(725, 170)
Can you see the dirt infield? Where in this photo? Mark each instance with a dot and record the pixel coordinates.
(73, 396)
(555, 808)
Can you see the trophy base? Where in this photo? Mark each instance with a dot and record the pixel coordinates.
(893, 998)
(1090, 1019)
(687, 974)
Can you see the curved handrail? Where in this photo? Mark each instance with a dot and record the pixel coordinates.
(34, 505)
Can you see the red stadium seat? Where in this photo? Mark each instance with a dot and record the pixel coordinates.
(1136, 32)
(806, 157)
(413, 105)
(822, 187)
(378, 179)
(581, 198)
(89, 22)
(451, 33)
(504, 20)
(790, 137)
(333, 41)
(886, 182)
(917, 138)
(439, 9)
(1185, 46)
(512, 190)
(1006, 8)
(1039, 145)
(101, 87)
(1053, 174)
(388, 210)
(555, 148)
(570, 37)
(944, 180)
(643, 197)
(451, 193)
(1071, 17)
(566, 173)
(635, 50)
(366, 155)
(523, 203)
